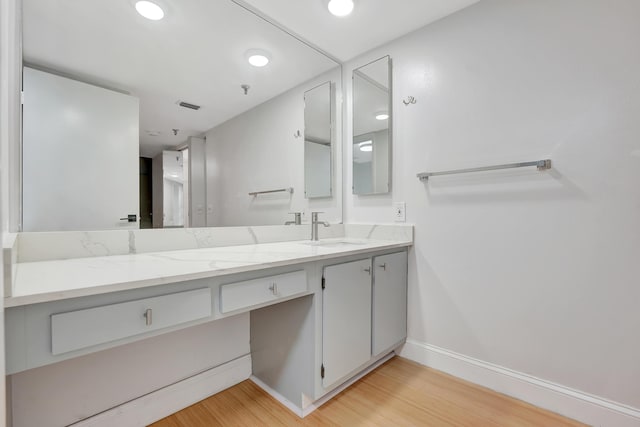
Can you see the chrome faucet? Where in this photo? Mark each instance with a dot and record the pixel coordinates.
(314, 225)
(297, 219)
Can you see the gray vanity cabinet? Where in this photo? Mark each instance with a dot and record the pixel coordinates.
(389, 301)
(364, 313)
(346, 319)
(307, 348)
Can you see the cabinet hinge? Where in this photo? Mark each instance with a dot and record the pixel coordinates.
(322, 371)
(323, 285)
(21, 97)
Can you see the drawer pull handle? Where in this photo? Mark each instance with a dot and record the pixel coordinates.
(148, 315)
(274, 288)
(383, 266)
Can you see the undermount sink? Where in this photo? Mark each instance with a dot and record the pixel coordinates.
(333, 243)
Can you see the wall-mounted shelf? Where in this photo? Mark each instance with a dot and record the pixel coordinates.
(540, 164)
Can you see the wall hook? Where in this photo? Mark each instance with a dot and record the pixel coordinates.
(245, 88)
(409, 100)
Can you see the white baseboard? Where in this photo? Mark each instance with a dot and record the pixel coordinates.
(168, 400)
(563, 400)
(303, 412)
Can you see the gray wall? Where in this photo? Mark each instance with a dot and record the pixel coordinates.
(536, 272)
(257, 150)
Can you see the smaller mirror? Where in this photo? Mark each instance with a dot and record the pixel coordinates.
(371, 128)
(317, 141)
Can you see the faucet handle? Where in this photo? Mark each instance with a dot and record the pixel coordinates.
(297, 218)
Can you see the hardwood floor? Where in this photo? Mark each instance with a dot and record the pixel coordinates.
(399, 393)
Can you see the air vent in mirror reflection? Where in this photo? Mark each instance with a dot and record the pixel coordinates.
(187, 105)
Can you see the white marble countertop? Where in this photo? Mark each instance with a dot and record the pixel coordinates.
(43, 281)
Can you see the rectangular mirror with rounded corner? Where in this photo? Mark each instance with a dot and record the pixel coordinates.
(108, 91)
(372, 117)
(318, 138)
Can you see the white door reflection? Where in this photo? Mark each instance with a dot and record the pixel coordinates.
(169, 197)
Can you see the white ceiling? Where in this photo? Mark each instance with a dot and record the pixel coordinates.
(196, 54)
(371, 24)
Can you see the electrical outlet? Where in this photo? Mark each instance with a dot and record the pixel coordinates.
(399, 212)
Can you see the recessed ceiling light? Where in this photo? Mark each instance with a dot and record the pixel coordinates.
(340, 7)
(258, 60)
(382, 116)
(257, 57)
(366, 146)
(149, 10)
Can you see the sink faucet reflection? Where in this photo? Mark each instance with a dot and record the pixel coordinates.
(297, 219)
(314, 225)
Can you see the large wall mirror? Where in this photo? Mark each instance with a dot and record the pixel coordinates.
(123, 114)
(372, 118)
(318, 141)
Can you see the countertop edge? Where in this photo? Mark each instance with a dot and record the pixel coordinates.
(24, 300)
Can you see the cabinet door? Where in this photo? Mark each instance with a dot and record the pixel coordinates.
(389, 301)
(346, 319)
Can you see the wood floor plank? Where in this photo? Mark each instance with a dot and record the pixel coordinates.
(398, 393)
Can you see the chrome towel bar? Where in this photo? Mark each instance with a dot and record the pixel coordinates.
(540, 164)
(279, 190)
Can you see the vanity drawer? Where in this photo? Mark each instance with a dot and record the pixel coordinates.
(85, 328)
(235, 296)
